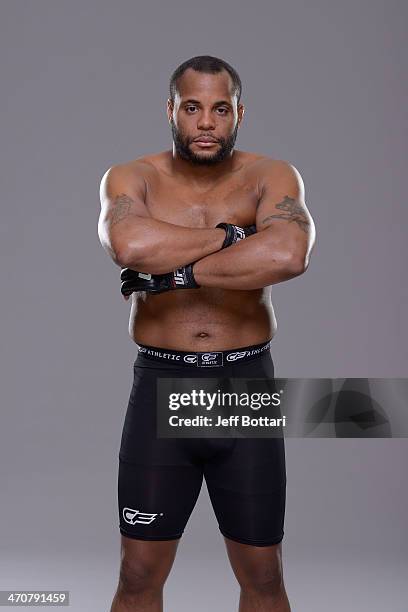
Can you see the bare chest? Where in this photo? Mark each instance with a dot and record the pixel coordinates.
(231, 201)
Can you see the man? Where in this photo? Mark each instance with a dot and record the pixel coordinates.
(202, 232)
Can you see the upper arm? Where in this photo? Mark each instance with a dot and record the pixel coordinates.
(122, 194)
(282, 210)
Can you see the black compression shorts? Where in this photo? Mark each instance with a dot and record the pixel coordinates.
(159, 479)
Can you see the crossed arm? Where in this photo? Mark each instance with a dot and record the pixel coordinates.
(280, 250)
(283, 244)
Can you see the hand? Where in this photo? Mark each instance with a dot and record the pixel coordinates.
(132, 280)
(234, 233)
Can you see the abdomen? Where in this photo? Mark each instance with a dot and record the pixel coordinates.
(202, 319)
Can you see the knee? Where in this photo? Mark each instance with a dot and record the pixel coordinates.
(138, 577)
(265, 581)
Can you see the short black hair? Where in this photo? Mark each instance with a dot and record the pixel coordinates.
(209, 65)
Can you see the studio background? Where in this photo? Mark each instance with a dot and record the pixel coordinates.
(84, 87)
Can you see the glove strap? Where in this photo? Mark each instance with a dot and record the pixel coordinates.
(183, 278)
(233, 233)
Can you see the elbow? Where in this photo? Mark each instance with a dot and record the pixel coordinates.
(296, 265)
(292, 265)
(298, 262)
(116, 254)
(122, 258)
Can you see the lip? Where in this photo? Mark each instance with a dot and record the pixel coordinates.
(205, 145)
(205, 140)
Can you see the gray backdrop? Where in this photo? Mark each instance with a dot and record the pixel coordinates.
(84, 86)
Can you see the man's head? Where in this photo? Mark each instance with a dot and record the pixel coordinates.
(204, 103)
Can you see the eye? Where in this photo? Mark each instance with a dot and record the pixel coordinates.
(190, 106)
(224, 111)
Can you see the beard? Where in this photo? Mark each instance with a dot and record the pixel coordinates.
(182, 145)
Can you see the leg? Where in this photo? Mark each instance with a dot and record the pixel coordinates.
(158, 485)
(144, 568)
(155, 503)
(247, 488)
(258, 570)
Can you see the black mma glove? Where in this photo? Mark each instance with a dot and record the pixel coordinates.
(234, 233)
(183, 278)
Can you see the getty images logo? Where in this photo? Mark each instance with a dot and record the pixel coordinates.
(135, 516)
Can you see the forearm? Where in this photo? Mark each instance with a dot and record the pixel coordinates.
(251, 264)
(157, 247)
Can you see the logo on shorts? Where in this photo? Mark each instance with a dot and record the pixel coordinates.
(190, 358)
(135, 516)
(248, 353)
(142, 349)
(235, 356)
(210, 359)
(208, 356)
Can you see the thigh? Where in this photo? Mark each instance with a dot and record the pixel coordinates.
(247, 486)
(248, 491)
(155, 501)
(158, 480)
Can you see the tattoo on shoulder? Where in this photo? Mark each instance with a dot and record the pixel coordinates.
(292, 211)
(121, 208)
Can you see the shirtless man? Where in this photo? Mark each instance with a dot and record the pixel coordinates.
(197, 288)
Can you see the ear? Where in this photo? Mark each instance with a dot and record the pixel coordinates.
(169, 109)
(241, 111)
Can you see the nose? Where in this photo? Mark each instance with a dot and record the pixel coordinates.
(206, 121)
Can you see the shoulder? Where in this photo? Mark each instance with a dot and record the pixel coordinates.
(134, 173)
(141, 166)
(269, 165)
(272, 171)
(262, 165)
(267, 171)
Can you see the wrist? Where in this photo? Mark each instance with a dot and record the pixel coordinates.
(219, 233)
(191, 279)
(183, 278)
(195, 269)
(233, 233)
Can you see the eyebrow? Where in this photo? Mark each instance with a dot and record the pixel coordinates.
(218, 103)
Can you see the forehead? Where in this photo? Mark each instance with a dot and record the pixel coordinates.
(199, 85)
